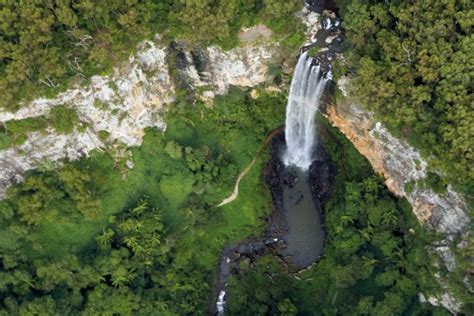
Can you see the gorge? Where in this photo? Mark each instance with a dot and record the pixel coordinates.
(162, 181)
(300, 236)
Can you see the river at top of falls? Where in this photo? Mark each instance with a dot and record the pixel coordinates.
(306, 89)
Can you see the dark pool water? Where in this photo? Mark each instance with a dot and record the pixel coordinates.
(305, 235)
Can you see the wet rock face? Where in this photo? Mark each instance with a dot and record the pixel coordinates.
(282, 180)
(274, 170)
(322, 174)
(317, 6)
(320, 5)
(290, 179)
(324, 36)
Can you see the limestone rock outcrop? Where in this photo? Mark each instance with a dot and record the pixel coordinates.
(133, 98)
(401, 165)
(403, 169)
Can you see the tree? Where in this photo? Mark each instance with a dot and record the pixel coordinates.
(409, 64)
(343, 276)
(388, 277)
(174, 150)
(39, 306)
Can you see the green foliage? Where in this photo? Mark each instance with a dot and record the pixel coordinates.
(265, 290)
(63, 119)
(410, 186)
(176, 188)
(52, 196)
(5, 140)
(411, 64)
(435, 182)
(313, 51)
(375, 260)
(218, 22)
(104, 135)
(16, 130)
(95, 237)
(174, 150)
(45, 46)
(101, 105)
(280, 16)
(210, 21)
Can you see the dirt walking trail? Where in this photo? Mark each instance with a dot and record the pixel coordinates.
(247, 169)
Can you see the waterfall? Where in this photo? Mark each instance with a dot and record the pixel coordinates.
(306, 89)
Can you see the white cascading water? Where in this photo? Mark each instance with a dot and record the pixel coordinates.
(306, 89)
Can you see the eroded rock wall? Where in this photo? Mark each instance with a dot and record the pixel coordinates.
(133, 98)
(403, 169)
(401, 165)
(211, 71)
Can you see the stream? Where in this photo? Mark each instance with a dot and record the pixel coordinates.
(300, 175)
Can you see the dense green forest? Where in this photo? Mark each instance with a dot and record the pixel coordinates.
(94, 237)
(375, 259)
(411, 62)
(45, 45)
(140, 234)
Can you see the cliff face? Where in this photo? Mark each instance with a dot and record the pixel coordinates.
(134, 98)
(401, 166)
(122, 104)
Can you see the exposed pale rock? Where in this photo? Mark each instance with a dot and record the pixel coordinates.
(312, 22)
(447, 256)
(249, 34)
(254, 94)
(421, 298)
(399, 164)
(244, 66)
(212, 71)
(329, 39)
(122, 104)
(130, 100)
(446, 299)
(129, 164)
(272, 88)
(42, 150)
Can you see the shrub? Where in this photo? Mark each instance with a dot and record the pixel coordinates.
(63, 119)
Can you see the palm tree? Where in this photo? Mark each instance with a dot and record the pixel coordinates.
(369, 262)
(367, 233)
(105, 238)
(389, 218)
(140, 208)
(161, 306)
(346, 219)
(131, 242)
